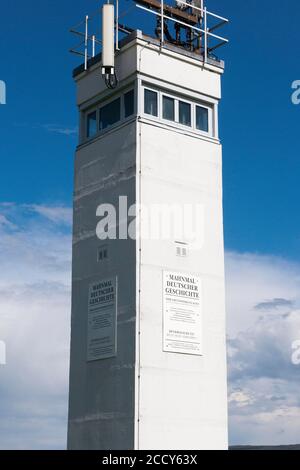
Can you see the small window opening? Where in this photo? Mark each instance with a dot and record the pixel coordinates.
(202, 118)
(129, 103)
(185, 113)
(110, 114)
(150, 104)
(91, 124)
(168, 108)
(102, 253)
(181, 249)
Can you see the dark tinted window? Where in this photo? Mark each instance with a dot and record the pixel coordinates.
(185, 113)
(91, 124)
(202, 118)
(150, 105)
(168, 108)
(110, 114)
(129, 103)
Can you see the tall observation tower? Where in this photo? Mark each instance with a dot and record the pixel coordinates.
(148, 354)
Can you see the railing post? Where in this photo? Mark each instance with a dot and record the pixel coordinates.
(201, 6)
(86, 39)
(94, 45)
(162, 33)
(205, 34)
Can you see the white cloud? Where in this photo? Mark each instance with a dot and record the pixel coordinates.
(52, 128)
(240, 398)
(57, 214)
(58, 129)
(5, 222)
(34, 324)
(263, 299)
(255, 279)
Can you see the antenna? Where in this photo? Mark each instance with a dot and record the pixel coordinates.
(108, 46)
(183, 23)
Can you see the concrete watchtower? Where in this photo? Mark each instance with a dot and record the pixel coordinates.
(148, 354)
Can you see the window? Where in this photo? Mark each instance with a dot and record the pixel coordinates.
(102, 253)
(150, 104)
(129, 103)
(185, 113)
(168, 108)
(91, 124)
(181, 249)
(110, 114)
(123, 106)
(201, 118)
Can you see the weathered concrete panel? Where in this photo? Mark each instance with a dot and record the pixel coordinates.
(101, 409)
(183, 400)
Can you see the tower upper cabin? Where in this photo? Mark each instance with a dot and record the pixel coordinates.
(170, 74)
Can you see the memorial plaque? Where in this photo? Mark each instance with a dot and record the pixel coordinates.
(102, 320)
(182, 322)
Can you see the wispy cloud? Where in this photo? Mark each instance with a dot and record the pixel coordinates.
(5, 222)
(35, 258)
(263, 400)
(56, 214)
(58, 129)
(274, 304)
(13, 215)
(52, 128)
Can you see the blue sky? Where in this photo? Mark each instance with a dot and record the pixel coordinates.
(259, 127)
(258, 122)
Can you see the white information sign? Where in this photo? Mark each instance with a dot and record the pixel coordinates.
(102, 320)
(182, 323)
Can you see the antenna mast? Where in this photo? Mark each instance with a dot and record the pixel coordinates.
(108, 46)
(183, 23)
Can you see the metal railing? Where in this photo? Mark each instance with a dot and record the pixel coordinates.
(87, 47)
(90, 44)
(205, 32)
(86, 41)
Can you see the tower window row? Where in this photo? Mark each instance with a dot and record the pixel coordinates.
(110, 113)
(157, 104)
(171, 109)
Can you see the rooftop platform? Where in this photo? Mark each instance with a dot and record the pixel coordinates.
(137, 34)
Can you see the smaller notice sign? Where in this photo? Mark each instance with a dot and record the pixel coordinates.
(182, 325)
(102, 320)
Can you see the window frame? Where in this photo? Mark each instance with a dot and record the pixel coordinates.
(103, 105)
(211, 107)
(97, 108)
(191, 126)
(167, 95)
(151, 116)
(209, 119)
(102, 249)
(123, 103)
(88, 112)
